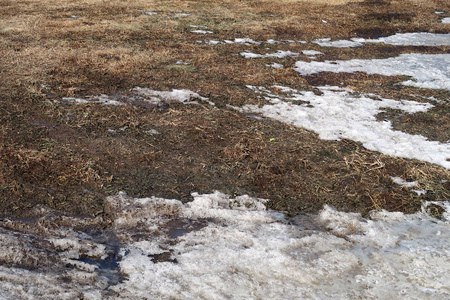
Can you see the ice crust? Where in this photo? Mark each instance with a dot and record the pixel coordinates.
(338, 113)
(427, 70)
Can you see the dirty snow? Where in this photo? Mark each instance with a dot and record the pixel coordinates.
(409, 184)
(219, 247)
(342, 113)
(147, 12)
(276, 66)
(327, 42)
(156, 97)
(201, 31)
(278, 54)
(101, 99)
(311, 52)
(427, 70)
(142, 95)
(249, 41)
(403, 182)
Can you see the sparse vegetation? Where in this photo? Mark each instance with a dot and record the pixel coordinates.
(63, 156)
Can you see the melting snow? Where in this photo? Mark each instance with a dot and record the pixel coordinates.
(219, 247)
(102, 99)
(276, 66)
(142, 95)
(339, 113)
(201, 31)
(278, 54)
(399, 39)
(327, 42)
(402, 182)
(149, 13)
(414, 39)
(311, 52)
(427, 70)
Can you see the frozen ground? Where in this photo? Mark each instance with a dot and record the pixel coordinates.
(219, 247)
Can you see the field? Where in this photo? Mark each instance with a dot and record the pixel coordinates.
(69, 156)
(236, 149)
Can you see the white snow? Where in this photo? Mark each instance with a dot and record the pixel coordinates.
(339, 113)
(200, 31)
(278, 54)
(446, 20)
(311, 52)
(413, 39)
(327, 42)
(249, 41)
(398, 39)
(246, 41)
(276, 66)
(427, 70)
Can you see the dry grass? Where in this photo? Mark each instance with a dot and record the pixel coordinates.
(63, 155)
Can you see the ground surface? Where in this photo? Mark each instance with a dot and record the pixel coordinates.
(70, 157)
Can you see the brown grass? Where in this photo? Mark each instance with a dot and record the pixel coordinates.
(63, 156)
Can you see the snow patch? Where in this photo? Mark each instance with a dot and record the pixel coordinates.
(141, 95)
(220, 247)
(399, 39)
(148, 13)
(311, 52)
(101, 99)
(402, 182)
(201, 31)
(276, 66)
(278, 54)
(248, 252)
(341, 113)
(327, 42)
(427, 70)
(414, 39)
